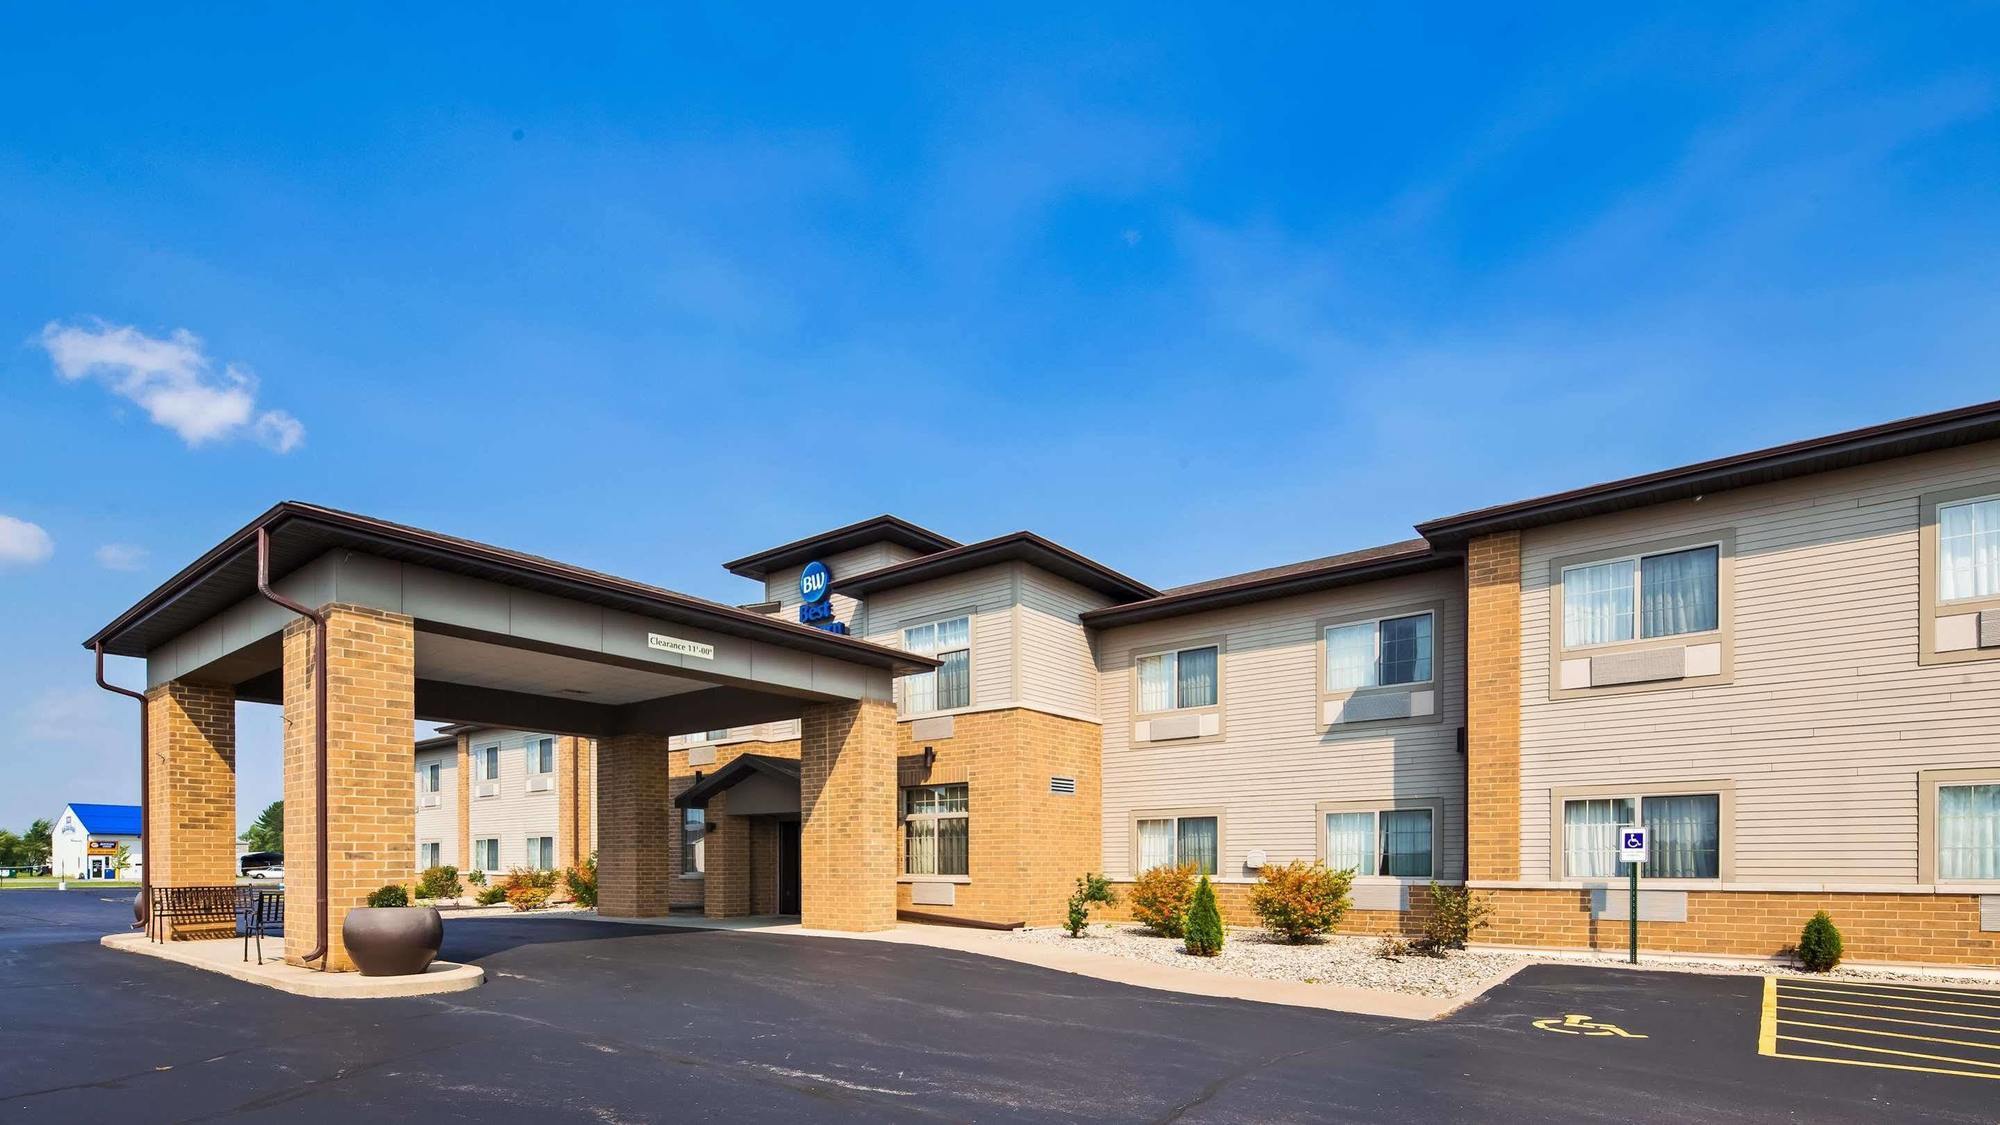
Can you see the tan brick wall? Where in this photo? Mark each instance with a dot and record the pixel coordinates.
(1937, 929)
(1493, 707)
(635, 823)
(371, 716)
(1026, 845)
(575, 786)
(763, 840)
(847, 802)
(726, 887)
(688, 892)
(191, 734)
(464, 803)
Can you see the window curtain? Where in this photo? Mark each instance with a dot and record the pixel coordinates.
(1406, 842)
(1684, 836)
(1968, 832)
(1350, 842)
(953, 681)
(1969, 550)
(1156, 682)
(1590, 836)
(1195, 682)
(1406, 650)
(1156, 844)
(952, 846)
(1677, 593)
(1196, 842)
(1597, 603)
(1350, 656)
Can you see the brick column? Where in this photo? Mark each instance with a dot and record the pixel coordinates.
(725, 886)
(847, 803)
(192, 805)
(575, 786)
(464, 860)
(1493, 707)
(371, 737)
(635, 821)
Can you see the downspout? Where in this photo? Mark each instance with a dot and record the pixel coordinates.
(319, 737)
(145, 786)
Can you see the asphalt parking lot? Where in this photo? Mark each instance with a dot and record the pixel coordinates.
(589, 1021)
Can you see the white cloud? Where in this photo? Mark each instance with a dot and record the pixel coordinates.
(173, 380)
(121, 556)
(23, 543)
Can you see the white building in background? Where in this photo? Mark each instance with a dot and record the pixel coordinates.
(87, 838)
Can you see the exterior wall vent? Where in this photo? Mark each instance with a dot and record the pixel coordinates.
(1063, 785)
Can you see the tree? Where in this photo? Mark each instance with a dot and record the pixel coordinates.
(121, 859)
(13, 853)
(268, 833)
(1089, 889)
(39, 842)
(1203, 936)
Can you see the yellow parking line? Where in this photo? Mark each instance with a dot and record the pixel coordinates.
(1782, 1022)
(1894, 996)
(1899, 1008)
(1983, 993)
(1885, 1051)
(1889, 1019)
(1767, 1025)
(1889, 1066)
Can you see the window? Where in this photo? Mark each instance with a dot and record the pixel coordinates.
(1646, 596)
(429, 855)
(542, 853)
(1393, 650)
(1685, 836)
(486, 854)
(1172, 681)
(702, 737)
(1968, 832)
(1180, 839)
(1396, 842)
(541, 756)
(694, 831)
(489, 764)
(434, 777)
(934, 830)
(949, 686)
(1969, 549)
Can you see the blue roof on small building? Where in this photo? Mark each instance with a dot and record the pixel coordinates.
(108, 820)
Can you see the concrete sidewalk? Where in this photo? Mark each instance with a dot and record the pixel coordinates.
(225, 956)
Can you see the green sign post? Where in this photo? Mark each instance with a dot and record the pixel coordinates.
(1632, 853)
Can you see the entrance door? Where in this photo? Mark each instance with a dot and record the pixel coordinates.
(788, 867)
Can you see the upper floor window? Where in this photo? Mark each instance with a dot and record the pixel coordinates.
(489, 763)
(1969, 549)
(434, 777)
(1170, 681)
(541, 755)
(1393, 650)
(1644, 596)
(949, 686)
(706, 736)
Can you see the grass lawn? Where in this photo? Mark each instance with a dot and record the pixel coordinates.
(47, 882)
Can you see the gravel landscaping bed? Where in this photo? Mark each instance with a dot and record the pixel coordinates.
(1349, 961)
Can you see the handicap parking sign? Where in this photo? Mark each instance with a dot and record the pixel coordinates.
(1631, 844)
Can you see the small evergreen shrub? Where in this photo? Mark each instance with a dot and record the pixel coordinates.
(527, 898)
(1450, 920)
(439, 882)
(582, 882)
(1204, 922)
(1300, 901)
(476, 878)
(1160, 898)
(1089, 889)
(489, 896)
(390, 895)
(1820, 947)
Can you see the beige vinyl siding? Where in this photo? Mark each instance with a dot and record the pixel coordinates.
(782, 586)
(987, 595)
(1273, 766)
(1057, 671)
(515, 814)
(441, 823)
(1828, 716)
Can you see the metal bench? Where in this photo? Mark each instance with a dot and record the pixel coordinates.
(211, 907)
(266, 916)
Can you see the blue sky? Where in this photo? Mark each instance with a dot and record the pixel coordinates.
(1188, 293)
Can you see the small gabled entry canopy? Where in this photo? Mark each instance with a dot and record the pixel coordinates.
(744, 768)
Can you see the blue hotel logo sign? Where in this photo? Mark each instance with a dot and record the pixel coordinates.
(816, 609)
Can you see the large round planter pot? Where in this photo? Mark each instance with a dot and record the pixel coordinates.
(139, 909)
(392, 941)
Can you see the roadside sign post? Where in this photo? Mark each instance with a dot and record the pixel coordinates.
(1632, 853)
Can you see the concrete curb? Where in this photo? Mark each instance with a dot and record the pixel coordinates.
(225, 955)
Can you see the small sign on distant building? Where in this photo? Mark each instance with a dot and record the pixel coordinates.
(680, 646)
(1631, 844)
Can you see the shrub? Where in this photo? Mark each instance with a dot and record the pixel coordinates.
(1450, 920)
(531, 877)
(488, 896)
(476, 878)
(439, 882)
(582, 882)
(1204, 922)
(1089, 889)
(1301, 900)
(527, 898)
(391, 895)
(1160, 898)
(1392, 948)
(1820, 947)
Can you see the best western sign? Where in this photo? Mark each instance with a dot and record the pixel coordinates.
(816, 607)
